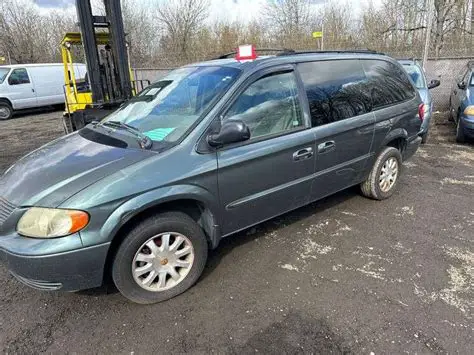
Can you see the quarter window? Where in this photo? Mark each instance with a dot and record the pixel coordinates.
(388, 83)
(18, 76)
(269, 106)
(336, 90)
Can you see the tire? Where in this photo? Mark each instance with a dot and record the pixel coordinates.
(175, 224)
(424, 137)
(450, 117)
(371, 187)
(460, 137)
(6, 111)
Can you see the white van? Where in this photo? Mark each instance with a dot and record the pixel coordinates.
(32, 85)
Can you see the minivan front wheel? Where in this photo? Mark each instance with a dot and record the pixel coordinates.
(383, 177)
(460, 137)
(160, 258)
(6, 111)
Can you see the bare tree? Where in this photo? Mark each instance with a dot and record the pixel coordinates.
(141, 32)
(290, 20)
(181, 20)
(339, 30)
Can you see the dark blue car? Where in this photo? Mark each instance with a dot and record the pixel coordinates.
(461, 104)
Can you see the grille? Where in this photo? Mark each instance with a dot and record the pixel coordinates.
(6, 208)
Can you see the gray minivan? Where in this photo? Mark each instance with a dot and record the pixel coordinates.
(219, 147)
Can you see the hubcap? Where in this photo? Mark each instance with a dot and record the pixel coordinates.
(388, 174)
(163, 261)
(4, 112)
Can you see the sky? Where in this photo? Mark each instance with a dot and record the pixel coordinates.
(233, 10)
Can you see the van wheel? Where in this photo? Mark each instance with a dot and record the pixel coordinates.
(451, 116)
(460, 137)
(383, 177)
(160, 258)
(6, 111)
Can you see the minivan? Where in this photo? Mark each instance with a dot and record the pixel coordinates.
(24, 86)
(220, 146)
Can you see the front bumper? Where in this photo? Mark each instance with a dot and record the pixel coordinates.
(425, 125)
(67, 271)
(468, 125)
(412, 146)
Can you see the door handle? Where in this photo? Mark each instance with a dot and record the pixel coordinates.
(326, 146)
(304, 153)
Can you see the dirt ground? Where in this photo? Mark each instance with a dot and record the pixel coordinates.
(344, 275)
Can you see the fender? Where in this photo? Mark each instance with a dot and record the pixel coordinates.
(394, 134)
(132, 207)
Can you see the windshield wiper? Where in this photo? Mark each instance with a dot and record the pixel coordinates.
(144, 141)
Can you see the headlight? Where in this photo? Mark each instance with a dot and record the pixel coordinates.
(469, 111)
(51, 223)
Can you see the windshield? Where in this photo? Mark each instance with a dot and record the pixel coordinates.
(3, 74)
(416, 75)
(172, 105)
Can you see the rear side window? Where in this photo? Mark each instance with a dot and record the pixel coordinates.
(388, 83)
(336, 90)
(18, 76)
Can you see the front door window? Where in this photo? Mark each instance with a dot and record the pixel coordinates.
(269, 106)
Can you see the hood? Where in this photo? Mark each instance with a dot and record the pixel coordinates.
(53, 173)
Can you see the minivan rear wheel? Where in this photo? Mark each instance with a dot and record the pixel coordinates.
(6, 111)
(383, 177)
(160, 258)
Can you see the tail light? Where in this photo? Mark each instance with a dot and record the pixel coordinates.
(421, 112)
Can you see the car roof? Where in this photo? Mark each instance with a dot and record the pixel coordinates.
(292, 57)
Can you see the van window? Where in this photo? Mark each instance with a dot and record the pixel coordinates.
(269, 106)
(389, 84)
(3, 74)
(184, 95)
(336, 90)
(18, 76)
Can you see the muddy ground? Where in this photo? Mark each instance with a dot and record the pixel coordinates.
(344, 275)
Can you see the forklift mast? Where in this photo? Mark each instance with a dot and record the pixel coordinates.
(107, 69)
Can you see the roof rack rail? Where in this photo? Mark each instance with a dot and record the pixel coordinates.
(233, 53)
(362, 51)
(288, 51)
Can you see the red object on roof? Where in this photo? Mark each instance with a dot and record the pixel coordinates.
(246, 52)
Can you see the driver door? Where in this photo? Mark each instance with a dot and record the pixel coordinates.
(271, 173)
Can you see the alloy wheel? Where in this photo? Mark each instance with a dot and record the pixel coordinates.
(163, 261)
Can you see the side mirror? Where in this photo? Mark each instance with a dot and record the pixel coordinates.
(232, 131)
(462, 85)
(434, 84)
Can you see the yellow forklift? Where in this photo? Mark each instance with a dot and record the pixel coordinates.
(108, 81)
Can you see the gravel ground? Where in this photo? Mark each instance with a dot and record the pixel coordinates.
(344, 275)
